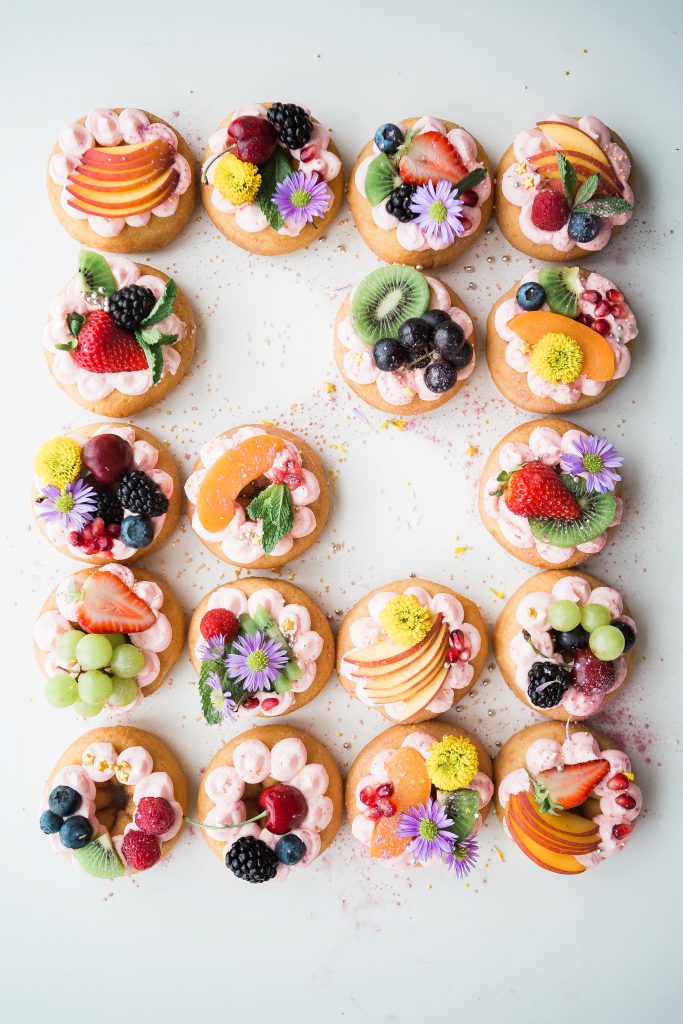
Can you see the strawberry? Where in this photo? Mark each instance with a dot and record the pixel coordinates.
(567, 787)
(105, 348)
(536, 490)
(430, 157)
(107, 605)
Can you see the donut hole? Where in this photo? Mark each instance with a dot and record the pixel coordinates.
(252, 790)
(114, 805)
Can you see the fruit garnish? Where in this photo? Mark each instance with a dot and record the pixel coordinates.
(291, 123)
(462, 808)
(140, 851)
(530, 296)
(429, 157)
(562, 287)
(251, 859)
(388, 138)
(385, 299)
(105, 348)
(108, 457)
(549, 210)
(286, 807)
(123, 181)
(95, 276)
(548, 684)
(381, 179)
(254, 138)
(219, 622)
(568, 786)
(230, 474)
(154, 815)
(107, 605)
(408, 774)
(590, 676)
(553, 841)
(598, 358)
(597, 514)
(99, 858)
(534, 490)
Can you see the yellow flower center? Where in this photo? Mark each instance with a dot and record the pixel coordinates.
(557, 358)
(452, 763)
(58, 462)
(237, 180)
(405, 620)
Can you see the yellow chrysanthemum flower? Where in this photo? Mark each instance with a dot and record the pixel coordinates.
(237, 180)
(452, 763)
(557, 358)
(59, 461)
(405, 620)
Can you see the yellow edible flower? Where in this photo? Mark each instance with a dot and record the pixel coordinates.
(58, 462)
(452, 763)
(237, 180)
(557, 358)
(405, 620)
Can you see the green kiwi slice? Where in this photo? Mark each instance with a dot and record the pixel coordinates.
(597, 513)
(385, 299)
(381, 179)
(99, 858)
(95, 275)
(562, 289)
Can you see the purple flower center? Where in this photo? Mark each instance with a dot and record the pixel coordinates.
(438, 212)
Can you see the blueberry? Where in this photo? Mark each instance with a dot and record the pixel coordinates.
(463, 357)
(76, 832)
(530, 296)
(434, 317)
(572, 640)
(448, 340)
(388, 138)
(290, 849)
(416, 335)
(583, 227)
(389, 355)
(137, 531)
(440, 376)
(629, 634)
(50, 822)
(64, 800)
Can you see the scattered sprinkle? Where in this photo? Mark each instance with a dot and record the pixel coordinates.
(329, 387)
(497, 593)
(461, 550)
(397, 424)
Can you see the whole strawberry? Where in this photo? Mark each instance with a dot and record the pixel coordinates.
(105, 348)
(535, 490)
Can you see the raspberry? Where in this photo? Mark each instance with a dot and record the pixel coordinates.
(219, 621)
(139, 850)
(154, 815)
(549, 210)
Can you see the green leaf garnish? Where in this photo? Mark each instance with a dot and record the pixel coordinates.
(273, 171)
(275, 508)
(587, 190)
(474, 177)
(211, 714)
(74, 322)
(567, 177)
(462, 807)
(604, 207)
(163, 306)
(150, 336)
(155, 360)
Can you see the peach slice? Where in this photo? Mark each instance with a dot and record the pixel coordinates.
(599, 362)
(408, 774)
(567, 136)
(230, 474)
(111, 157)
(559, 863)
(388, 655)
(546, 164)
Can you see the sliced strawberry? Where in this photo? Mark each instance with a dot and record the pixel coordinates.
(570, 786)
(105, 348)
(430, 157)
(535, 489)
(108, 606)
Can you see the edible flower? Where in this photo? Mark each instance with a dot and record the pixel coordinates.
(463, 856)
(557, 358)
(211, 649)
(405, 620)
(220, 701)
(594, 458)
(439, 213)
(237, 180)
(256, 661)
(73, 506)
(427, 824)
(452, 763)
(301, 197)
(58, 461)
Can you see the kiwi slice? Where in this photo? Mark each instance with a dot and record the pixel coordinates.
(597, 513)
(99, 858)
(381, 179)
(562, 289)
(95, 275)
(385, 299)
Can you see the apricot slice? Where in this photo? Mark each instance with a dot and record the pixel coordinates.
(230, 474)
(408, 774)
(598, 358)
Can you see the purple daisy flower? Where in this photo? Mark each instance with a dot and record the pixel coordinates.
(301, 197)
(211, 649)
(438, 212)
(221, 702)
(427, 824)
(256, 661)
(74, 506)
(595, 459)
(463, 856)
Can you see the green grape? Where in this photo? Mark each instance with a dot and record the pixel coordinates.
(607, 643)
(67, 643)
(564, 616)
(86, 710)
(61, 690)
(125, 691)
(595, 615)
(93, 651)
(94, 687)
(115, 639)
(127, 660)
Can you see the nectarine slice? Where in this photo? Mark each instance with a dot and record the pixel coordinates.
(598, 358)
(230, 474)
(389, 656)
(408, 774)
(559, 863)
(567, 136)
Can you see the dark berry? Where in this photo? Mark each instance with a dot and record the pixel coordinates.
(290, 849)
(547, 684)
(109, 508)
(572, 640)
(463, 357)
(440, 376)
(130, 306)
(591, 676)
(398, 203)
(138, 493)
(628, 632)
(291, 123)
(76, 832)
(64, 800)
(584, 227)
(448, 340)
(137, 531)
(389, 355)
(388, 138)
(251, 860)
(469, 197)
(434, 317)
(530, 296)
(415, 335)
(50, 822)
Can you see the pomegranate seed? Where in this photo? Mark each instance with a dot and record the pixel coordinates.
(591, 296)
(75, 538)
(373, 814)
(603, 309)
(368, 796)
(626, 801)
(618, 311)
(618, 782)
(386, 789)
(614, 295)
(103, 544)
(452, 655)
(584, 318)
(87, 532)
(113, 529)
(251, 702)
(622, 830)
(469, 197)
(308, 153)
(386, 807)
(97, 526)
(460, 648)
(601, 326)
(466, 223)
(269, 703)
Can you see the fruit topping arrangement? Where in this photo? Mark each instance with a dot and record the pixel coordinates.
(97, 497)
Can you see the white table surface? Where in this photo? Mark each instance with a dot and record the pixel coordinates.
(347, 940)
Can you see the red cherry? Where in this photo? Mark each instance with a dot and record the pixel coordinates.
(469, 197)
(603, 309)
(386, 807)
(251, 702)
(626, 801)
(286, 806)
(618, 782)
(270, 703)
(622, 830)
(591, 296)
(108, 457)
(601, 326)
(614, 295)
(368, 796)
(386, 789)
(254, 137)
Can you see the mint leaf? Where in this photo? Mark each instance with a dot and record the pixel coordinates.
(275, 170)
(150, 336)
(474, 177)
(210, 713)
(74, 322)
(604, 207)
(163, 306)
(274, 507)
(567, 177)
(381, 179)
(587, 190)
(155, 360)
(462, 808)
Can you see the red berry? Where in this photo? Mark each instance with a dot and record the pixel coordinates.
(626, 801)
(103, 543)
(535, 489)
(108, 457)
(291, 474)
(219, 621)
(590, 675)
(255, 138)
(618, 311)
(614, 295)
(386, 807)
(270, 703)
(584, 318)
(373, 813)
(622, 830)
(308, 153)
(75, 538)
(591, 296)
(105, 348)
(466, 223)
(140, 851)
(386, 789)
(469, 197)
(286, 806)
(603, 309)
(430, 156)
(251, 702)
(460, 646)
(154, 815)
(601, 326)
(549, 210)
(368, 796)
(113, 529)
(618, 782)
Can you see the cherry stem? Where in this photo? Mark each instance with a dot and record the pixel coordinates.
(213, 161)
(203, 824)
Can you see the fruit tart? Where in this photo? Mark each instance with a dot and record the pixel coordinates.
(421, 192)
(115, 802)
(567, 798)
(121, 180)
(419, 795)
(106, 638)
(261, 647)
(270, 803)
(404, 341)
(257, 496)
(564, 188)
(272, 178)
(120, 335)
(549, 493)
(106, 492)
(559, 339)
(411, 649)
(564, 643)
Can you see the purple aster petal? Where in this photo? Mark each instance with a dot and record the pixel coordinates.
(593, 448)
(260, 678)
(409, 824)
(84, 505)
(211, 649)
(463, 856)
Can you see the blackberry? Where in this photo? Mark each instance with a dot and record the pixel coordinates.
(139, 494)
(547, 684)
(109, 508)
(291, 123)
(251, 860)
(130, 306)
(398, 203)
